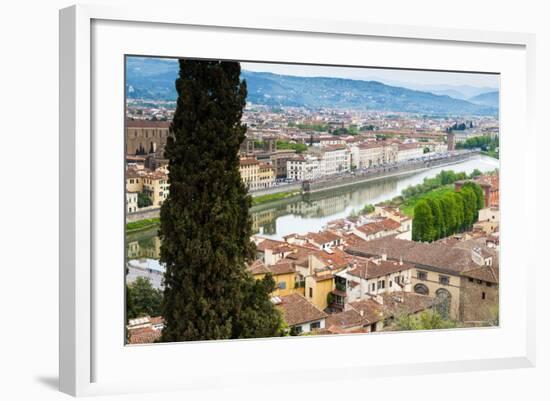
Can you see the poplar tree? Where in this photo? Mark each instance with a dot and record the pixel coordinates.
(438, 220)
(205, 227)
(423, 223)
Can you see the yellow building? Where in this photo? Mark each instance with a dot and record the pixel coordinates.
(249, 169)
(256, 175)
(286, 280)
(155, 185)
(266, 176)
(318, 287)
(134, 181)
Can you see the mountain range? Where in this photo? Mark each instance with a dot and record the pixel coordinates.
(153, 79)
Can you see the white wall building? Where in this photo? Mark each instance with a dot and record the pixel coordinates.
(304, 167)
(409, 151)
(334, 160)
(131, 202)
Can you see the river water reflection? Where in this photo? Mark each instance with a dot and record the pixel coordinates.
(311, 212)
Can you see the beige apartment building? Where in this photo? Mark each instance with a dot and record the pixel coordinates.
(153, 184)
(256, 175)
(438, 267)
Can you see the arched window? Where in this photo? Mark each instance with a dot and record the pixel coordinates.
(421, 289)
(443, 302)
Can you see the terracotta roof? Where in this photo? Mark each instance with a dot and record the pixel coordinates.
(248, 162)
(484, 273)
(282, 268)
(322, 237)
(405, 302)
(143, 335)
(298, 310)
(157, 320)
(378, 226)
(269, 244)
(346, 319)
(257, 267)
(337, 259)
(438, 256)
(323, 277)
(367, 269)
(369, 309)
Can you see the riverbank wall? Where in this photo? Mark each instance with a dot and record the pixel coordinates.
(383, 172)
(330, 183)
(149, 213)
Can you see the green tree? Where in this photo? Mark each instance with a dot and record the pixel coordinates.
(449, 211)
(475, 173)
(423, 223)
(439, 221)
(480, 196)
(459, 212)
(367, 209)
(205, 227)
(470, 206)
(427, 320)
(144, 200)
(142, 299)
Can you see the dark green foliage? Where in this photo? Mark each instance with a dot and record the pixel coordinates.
(475, 173)
(449, 211)
(480, 196)
(438, 221)
(482, 142)
(144, 200)
(470, 206)
(205, 226)
(459, 212)
(142, 299)
(368, 208)
(427, 320)
(445, 177)
(423, 224)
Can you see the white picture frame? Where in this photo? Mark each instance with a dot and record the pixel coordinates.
(91, 363)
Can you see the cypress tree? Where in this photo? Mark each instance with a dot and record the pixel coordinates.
(423, 223)
(205, 226)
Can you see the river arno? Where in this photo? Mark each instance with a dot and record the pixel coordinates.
(311, 212)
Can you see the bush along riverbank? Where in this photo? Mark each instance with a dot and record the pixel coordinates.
(410, 195)
(142, 225)
(147, 224)
(273, 197)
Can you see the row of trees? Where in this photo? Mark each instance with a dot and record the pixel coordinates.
(482, 142)
(445, 177)
(453, 212)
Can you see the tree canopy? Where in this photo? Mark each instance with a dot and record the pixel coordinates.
(453, 212)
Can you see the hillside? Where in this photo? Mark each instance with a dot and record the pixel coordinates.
(486, 99)
(153, 79)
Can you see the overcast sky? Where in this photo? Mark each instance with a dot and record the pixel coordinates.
(410, 78)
